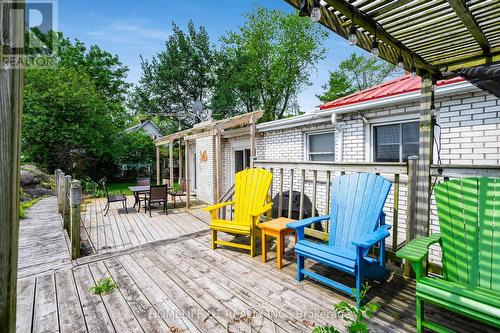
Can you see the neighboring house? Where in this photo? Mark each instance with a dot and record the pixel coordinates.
(148, 127)
(379, 124)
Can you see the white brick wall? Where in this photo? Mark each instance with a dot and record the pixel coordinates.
(205, 170)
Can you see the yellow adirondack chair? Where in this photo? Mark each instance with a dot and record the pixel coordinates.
(250, 196)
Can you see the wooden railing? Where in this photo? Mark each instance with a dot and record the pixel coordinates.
(457, 171)
(315, 179)
(227, 211)
(69, 199)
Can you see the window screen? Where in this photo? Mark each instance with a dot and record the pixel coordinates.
(395, 143)
(321, 147)
(411, 135)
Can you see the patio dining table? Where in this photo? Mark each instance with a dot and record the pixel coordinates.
(138, 190)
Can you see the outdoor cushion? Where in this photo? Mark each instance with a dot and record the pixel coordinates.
(473, 298)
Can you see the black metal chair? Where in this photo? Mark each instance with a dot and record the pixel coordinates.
(113, 198)
(181, 192)
(143, 196)
(157, 194)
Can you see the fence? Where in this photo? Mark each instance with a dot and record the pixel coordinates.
(69, 199)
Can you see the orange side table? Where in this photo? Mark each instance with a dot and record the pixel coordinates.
(276, 228)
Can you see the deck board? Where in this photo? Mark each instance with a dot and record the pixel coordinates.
(119, 230)
(169, 280)
(42, 242)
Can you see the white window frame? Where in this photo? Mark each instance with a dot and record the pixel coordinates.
(399, 121)
(237, 145)
(306, 143)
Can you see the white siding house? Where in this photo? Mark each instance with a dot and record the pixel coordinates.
(148, 127)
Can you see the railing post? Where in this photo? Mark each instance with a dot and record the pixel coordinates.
(411, 211)
(75, 199)
(66, 187)
(56, 179)
(60, 192)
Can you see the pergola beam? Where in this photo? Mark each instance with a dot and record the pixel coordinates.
(210, 127)
(389, 46)
(468, 20)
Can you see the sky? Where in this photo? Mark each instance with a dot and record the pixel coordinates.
(133, 28)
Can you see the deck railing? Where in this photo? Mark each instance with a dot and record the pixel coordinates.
(69, 199)
(314, 179)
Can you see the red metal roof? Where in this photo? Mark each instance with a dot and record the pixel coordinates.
(400, 85)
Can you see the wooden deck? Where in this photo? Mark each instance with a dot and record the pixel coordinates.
(43, 246)
(119, 230)
(178, 284)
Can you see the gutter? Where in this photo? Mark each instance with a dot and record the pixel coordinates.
(324, 115)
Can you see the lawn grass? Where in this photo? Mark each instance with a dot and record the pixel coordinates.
(27, 204)
(123, 187)
(120, 187)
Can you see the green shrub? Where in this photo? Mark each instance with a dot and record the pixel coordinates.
(92, 188)
(104, 286)
(355, 318)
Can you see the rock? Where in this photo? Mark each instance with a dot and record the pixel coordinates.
(34, 182)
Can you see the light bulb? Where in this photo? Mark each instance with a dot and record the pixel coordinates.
(353, 39)
(413, 71)
(374, 51)
(400, 64)
(316, 14)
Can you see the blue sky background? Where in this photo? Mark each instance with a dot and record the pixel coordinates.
(130, 28)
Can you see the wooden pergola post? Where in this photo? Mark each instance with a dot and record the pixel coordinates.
(423, 190)
(171, 162)
(180, 159)
(188, 181)
(253, 152)
(218, 165)
(158, 166)
(11, 92)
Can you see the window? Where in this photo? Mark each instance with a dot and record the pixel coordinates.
(396, 142)
(241, 159)
(321, 147)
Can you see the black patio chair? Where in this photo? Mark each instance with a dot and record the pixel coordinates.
(181, 192)
(143, 196)
(158, 195)
(113, 198)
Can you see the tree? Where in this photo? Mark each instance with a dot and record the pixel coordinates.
(177, 77)
(266, 63)
(74, 112)
(354, 74)
(136, 148)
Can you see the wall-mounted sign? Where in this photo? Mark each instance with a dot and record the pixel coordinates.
(204, 156)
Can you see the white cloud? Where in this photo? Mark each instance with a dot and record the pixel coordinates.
(131, 31)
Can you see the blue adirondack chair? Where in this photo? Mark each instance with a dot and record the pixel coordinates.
(357, 223)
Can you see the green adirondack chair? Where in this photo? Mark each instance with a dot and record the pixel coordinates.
(469, 219)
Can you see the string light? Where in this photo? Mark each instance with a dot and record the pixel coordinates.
(374, 51)
(304, 8)
(353, 38)
(400, 62)
(316, 11)
(413, 69)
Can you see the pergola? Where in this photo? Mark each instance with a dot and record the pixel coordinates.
(205, 129)
(432, 38)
